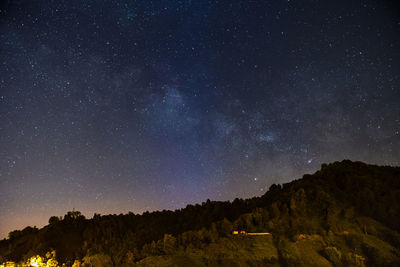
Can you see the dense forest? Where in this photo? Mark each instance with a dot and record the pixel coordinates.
(347, 213)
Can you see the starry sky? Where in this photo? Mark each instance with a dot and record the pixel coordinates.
(117, 106)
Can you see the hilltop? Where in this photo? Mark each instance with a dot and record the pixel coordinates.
(347, 213)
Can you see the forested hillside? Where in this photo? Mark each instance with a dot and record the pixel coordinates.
(348, 213)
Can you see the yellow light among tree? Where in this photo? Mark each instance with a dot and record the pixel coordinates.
(38, 261)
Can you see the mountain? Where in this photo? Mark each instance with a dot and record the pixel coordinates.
(346, 214)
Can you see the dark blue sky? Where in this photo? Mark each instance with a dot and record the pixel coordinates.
(116, 106)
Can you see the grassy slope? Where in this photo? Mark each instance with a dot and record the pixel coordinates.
(348, 248)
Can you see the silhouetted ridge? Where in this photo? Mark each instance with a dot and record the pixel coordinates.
(350, 209)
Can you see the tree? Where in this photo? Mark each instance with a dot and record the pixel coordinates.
(53, 220)
(169, 244)
(98, 260)
(14, 234)
(225, 227)
(73, 215)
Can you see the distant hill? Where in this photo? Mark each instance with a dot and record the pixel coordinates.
(346, 214)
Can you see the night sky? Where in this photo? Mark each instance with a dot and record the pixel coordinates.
(117, 106)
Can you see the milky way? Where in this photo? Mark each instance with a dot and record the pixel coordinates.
(117, 106)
